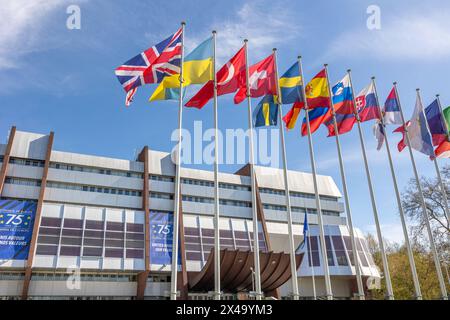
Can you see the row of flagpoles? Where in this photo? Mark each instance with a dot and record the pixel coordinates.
(336, 107)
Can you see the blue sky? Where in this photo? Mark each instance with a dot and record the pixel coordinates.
(63, 80)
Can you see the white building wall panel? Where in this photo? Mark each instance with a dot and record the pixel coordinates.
(29, 172)
(20, 191)
(11, 288)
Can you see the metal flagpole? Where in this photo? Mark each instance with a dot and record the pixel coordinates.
(326, 269)
(312, 263)
(399, 201)
(295, 294)
(177, 191)
(422, 199)
(359, 281)
(390, 292)
(253, 181)
(438, 173)
(217, 291)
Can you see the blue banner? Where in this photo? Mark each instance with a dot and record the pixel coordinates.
(16, 228)
(161, 238)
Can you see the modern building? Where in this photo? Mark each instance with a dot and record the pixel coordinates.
(76, 226)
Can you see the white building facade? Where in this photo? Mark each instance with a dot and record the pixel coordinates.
(75, 226)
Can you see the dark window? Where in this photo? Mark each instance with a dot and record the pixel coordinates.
(94, 224)
(191, 232)
(70, 251)
(135, 227)
(92, 252)
(114, 243)
(47, 250)
(93, 242)
(313, 250)
(340, 251)
(228, 242)
(71, 241)
(114, 226)
(113, 253)
(114, 235)
(50, 222)
(73, 223)
(208, 240)
(361, 256)
(49, 231)
(136, 254)
(135, 244)
(329, 251)
(48, 240)
(193, 256)
(348, 244)
(72, 232)
(135, 236)
(193, 246)
(93, 234)
(207, 232)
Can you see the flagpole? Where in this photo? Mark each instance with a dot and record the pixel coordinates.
(217, 291)
(293, 264)
(177, 191)
(390, 292)
(438, 173)
(399, 201)
(328, 288)
(258, 292)
(312, 263)
(422, 199)
(359, 281)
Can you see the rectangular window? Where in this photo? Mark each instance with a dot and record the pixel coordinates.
(70, 251)
(340, 251)
(47, 250)
(113, 253)
(135, 254)
(92, 252)
(313, 251)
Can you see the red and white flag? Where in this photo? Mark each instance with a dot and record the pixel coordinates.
(230, 78)
(262, 80)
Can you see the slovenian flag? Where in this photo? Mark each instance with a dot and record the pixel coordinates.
(343, 96)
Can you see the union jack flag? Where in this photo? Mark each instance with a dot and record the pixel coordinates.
(151, 66)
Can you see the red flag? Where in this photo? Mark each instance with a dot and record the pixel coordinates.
(401, 145)
(317, 116)
(262, 80)
(443, 150)
(230, 78)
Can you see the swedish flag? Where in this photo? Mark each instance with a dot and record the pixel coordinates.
(197, 69)
(291, 85)
(266, 113)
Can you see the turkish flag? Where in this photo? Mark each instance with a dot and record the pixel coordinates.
(261, 80)
(230, 78)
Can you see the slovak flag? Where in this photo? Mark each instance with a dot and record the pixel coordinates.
(366, 104)
(261, 80)
(230, 78)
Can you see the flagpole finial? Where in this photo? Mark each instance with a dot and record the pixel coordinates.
(274, 49)
(325, 65)
(299, 57)
(245, 40)
(438, 95)
(183, 23)
(373, 78)
(349, 70)
(417, 89)
(214, 31)
(395, 83)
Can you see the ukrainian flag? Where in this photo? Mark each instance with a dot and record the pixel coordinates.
(266, 113)
(291, 85)
(197, 69)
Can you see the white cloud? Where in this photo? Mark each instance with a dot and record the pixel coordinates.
(257, 22)
(392, 232)
(21, 28)
(412, 36)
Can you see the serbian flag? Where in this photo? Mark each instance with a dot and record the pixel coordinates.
(343, 96)
(317, 116)
(290, 119)
(344, 123)
(317, 92)
(230, 78)
(262, 80)
(366, 104)
(436, 123)
(392, 113)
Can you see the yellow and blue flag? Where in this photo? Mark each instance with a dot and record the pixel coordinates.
(291, 85)
(266, 113)
(197, 69)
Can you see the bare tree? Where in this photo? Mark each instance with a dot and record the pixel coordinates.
(435, 204)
